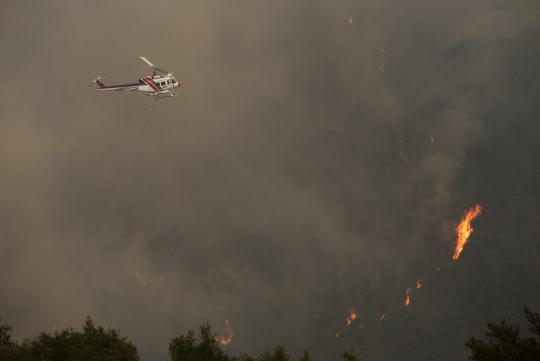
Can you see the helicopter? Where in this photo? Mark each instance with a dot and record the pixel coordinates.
(159, 85)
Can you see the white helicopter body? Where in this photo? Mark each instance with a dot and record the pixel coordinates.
(159, 85)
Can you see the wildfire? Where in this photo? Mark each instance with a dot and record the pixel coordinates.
(224, 341)
(464, 230)
(352, 316)
(408, 297)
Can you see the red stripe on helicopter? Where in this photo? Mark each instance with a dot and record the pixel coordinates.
(148, 81)
(154, 83)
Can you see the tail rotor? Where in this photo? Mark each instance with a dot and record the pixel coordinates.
(97, 81)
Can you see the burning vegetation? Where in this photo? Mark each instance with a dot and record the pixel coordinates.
(224, 341)
(407, 297)
(464, 230)
(352, 316)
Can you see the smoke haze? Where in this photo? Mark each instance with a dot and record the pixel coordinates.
(310, 165)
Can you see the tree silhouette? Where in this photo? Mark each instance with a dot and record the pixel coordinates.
(93, 344)
(204, 347)
(279, 354)
(5, 337)
(505, 344)
(305, 356)
(8, 349)
(349, 355)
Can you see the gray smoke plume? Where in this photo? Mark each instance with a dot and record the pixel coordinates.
(318, 159)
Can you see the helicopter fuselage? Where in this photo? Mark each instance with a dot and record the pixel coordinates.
(160, 84)
(154, 85)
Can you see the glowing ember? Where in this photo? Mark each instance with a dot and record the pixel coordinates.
(464, 230)
(224, 341)
(352, 316)
(408, 297)
(141, 279)
(419, 283)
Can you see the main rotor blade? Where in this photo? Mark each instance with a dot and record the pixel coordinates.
(146, 61)
(161, 70)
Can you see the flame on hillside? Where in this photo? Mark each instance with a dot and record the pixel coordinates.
(407, 297)
(352, 316)
(464, 230)
(224, 341)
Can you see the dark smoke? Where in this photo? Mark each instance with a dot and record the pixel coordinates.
(309, 166)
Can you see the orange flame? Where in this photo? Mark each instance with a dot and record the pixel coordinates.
(464, 230)
(408, 297)
(224, 341)
(352, 316)
(419, 283)
(349, 19)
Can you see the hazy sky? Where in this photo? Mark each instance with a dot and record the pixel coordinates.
(318, 158)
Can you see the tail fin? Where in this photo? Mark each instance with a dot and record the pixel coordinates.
(98, 82)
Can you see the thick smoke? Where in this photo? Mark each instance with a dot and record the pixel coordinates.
(311, 164)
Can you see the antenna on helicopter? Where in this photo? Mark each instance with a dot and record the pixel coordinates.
(155, 69)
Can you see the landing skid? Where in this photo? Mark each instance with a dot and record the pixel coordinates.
(163, 94)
